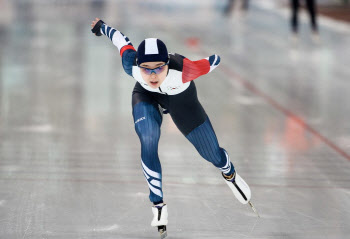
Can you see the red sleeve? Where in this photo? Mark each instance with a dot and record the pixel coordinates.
(126, 47)
(193, 69)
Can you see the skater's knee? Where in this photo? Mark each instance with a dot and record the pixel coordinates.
(149, 139)
(148, 133)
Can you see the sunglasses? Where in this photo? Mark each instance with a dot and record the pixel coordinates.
(157, 70)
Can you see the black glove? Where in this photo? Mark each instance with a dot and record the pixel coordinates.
(96, 29)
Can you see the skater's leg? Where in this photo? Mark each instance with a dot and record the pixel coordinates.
(148, 120)
(294, 19)
(245, 5)
(205, 141)
(229, 7)
(312, 11)
(191, 119)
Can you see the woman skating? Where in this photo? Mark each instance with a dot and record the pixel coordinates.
(165, 85)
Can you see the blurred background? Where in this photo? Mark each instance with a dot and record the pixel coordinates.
(69, 156)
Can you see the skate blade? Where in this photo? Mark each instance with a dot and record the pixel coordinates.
(163, 234)
(254, 209)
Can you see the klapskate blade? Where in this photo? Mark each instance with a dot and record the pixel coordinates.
(254, 209)
(163, 234)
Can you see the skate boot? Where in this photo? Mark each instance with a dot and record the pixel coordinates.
(160, 218)
(240, 189)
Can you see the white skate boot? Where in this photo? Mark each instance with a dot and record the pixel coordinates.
(160, 218)
(240, 189)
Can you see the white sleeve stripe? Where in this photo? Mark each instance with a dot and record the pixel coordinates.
(112, 33)
(117, 38)
(216, 58)
(104, 30)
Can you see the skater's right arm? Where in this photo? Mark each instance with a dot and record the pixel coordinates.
(126, 49)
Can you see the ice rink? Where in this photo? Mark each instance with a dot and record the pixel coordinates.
(70, 158)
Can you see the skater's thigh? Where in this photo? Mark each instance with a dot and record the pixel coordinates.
(146, 114)
(186, 111)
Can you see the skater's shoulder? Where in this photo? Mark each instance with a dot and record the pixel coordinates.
(176, 61)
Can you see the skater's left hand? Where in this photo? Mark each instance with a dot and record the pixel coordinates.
(95, 26)
(94, 22)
